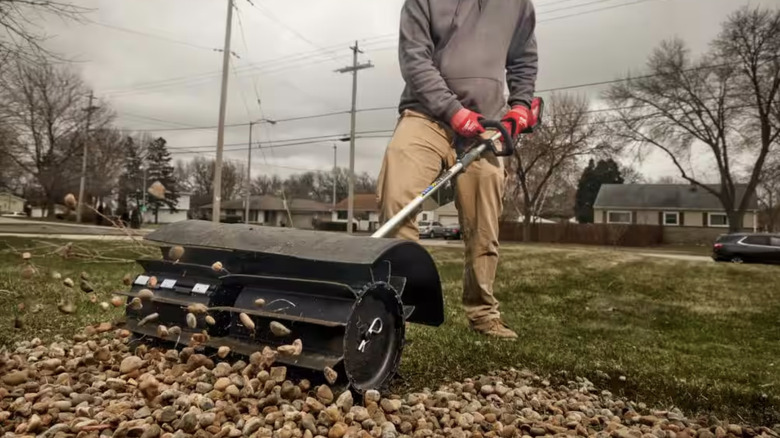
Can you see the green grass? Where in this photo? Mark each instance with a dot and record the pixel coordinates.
(703, 337)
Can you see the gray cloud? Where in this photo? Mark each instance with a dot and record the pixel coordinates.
(126, 68)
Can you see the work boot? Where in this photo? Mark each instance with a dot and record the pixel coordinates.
(494, 327)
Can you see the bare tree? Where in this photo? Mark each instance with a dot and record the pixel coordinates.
(21, 37)
(769, 195)
(105, 161)
(46, 106)
(549, 155)
(727, 101)
(200, 177)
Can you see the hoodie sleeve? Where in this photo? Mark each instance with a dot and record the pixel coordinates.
(522, 60)
(415, 56)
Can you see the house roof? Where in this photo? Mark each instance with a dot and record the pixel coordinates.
(664, 196)
(367, 202)
(6, 194)
(273, 203)
(447, 209)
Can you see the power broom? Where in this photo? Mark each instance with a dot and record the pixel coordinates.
(314, 299)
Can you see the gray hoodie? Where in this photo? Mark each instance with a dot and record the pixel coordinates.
(460, 53)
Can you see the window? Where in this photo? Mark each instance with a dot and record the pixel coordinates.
(342, 215)
(671, 218)
(774, 241)
(619, 217)
(757, 240)
(425, 216)
(718, 220)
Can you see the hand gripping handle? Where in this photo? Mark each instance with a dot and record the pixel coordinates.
(537, 109)
(506, 139)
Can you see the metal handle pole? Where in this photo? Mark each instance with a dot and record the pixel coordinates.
(450, 173)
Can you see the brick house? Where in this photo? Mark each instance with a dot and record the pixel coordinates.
(689, 214)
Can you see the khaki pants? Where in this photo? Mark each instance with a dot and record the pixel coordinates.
(419, 150)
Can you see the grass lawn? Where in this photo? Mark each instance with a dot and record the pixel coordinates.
(703, 337)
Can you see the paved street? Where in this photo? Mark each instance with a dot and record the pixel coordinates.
(70, 231)
(33, 228)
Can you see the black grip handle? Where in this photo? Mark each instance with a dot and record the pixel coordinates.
(506, 138)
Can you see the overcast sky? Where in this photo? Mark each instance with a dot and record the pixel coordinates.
(155, 63)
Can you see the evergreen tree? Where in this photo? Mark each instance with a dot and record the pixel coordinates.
(596, 174)
(161, 170)
(131, 181)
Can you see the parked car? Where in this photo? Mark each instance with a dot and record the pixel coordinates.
(451, 232)
(747, 248)
(430, 229)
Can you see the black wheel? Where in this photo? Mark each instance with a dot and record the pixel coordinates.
(374, 338)
(737, 259)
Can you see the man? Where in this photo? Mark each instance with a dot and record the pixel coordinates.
(455, 56)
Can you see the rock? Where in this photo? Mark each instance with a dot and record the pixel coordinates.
(359, 413)
(167, 414)
(251, 426)
(152, 431)
(388, 430)
(734, 429)
(142, 413)
(130, 364)
(16, 378)
(372, 395)
(203, 387)
(221, 384)
(324, 394)
(705, 433)
(207, 419)
(278, 374)
(233, 390)
(338, 430)
(278, 329)
(345, 401)
(390, 405)
(330, 375)
(309, 423)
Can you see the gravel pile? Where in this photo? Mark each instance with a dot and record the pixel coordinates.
(96, 386)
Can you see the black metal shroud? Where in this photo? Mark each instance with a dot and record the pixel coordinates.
(311, 282)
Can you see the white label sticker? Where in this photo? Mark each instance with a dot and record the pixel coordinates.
(200, 288)
(168, 283)
(142, 280)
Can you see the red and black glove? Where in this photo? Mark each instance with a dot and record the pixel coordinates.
(522, 118)
(466, 123)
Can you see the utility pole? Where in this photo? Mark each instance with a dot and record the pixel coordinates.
(353, 69)
(82, 183)
(217, 185)
(248, 184)
(335, 175)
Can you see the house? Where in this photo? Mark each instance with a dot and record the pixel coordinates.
(688, 213)
(274, 211)
(10, 203)
(166, 215)
(428, 211)
(366, 211)
(447, 214)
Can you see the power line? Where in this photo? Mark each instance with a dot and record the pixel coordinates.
(275, 66)
(593, 10)
(151, 35)
(384, 108)
(268, 13)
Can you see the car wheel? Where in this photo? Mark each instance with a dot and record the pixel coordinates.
(736, 260)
